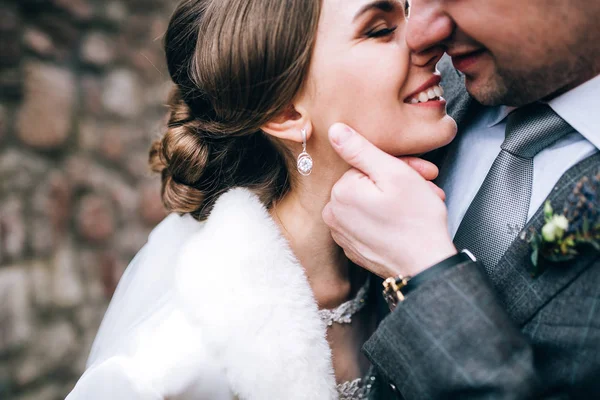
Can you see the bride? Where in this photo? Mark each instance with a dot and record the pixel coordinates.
(241, 293)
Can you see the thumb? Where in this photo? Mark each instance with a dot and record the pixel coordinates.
(359, 152)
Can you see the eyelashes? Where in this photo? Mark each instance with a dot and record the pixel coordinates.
(378, 33)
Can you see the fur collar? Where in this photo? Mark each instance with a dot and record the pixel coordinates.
(239, 281)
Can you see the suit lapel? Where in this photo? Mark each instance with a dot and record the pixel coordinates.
(522, 294)
(460, 105)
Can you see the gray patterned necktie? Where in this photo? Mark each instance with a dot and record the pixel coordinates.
(499, 210)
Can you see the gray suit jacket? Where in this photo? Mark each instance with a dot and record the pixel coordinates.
(507, 335)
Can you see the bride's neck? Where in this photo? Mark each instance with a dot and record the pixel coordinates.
(298, 214)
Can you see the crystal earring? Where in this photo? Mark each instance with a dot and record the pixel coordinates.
(305, 161)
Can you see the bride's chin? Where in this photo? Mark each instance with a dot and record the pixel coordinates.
(436, 135)
(448, 131)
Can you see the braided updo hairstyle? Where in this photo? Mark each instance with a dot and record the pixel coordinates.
(236, 65)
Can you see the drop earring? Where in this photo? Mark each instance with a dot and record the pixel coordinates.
(305, 161)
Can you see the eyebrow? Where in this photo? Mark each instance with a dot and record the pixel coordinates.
(382, 5)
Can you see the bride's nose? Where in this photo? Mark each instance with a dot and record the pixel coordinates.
(427, 58)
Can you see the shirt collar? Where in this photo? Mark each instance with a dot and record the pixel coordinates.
(498, 114)
(579, 107)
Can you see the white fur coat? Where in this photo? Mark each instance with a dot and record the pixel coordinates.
(213, 310)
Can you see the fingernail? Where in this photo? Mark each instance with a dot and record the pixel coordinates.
(339, 133)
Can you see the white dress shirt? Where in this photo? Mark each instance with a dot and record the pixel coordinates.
(478, 146)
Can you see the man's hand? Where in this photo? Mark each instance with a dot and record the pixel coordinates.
(385, 215)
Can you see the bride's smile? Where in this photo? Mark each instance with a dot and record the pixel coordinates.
(362, 73)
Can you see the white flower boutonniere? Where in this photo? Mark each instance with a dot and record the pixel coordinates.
(564, 234)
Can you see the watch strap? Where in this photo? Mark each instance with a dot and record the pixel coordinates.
(396, 288)
(429, 273)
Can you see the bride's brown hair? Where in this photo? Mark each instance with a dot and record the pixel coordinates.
(236, 65)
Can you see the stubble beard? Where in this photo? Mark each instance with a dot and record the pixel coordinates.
(518, 87)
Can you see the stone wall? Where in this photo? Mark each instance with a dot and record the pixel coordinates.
(82, 88)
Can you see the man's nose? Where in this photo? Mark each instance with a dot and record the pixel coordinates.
(428, 25)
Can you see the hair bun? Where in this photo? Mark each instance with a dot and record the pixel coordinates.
(233, 74)
(180, 157)
(181, 198)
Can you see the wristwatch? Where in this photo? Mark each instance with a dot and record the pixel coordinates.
(392, 290)
(396, 288)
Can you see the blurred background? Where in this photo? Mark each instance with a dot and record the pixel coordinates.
(82, 93)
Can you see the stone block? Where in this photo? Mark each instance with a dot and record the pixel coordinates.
(131, 238)
(116, 11)
(88, 320)
(149, 62)
(39, 42)
(10, 44)
(112, 141)
(89, 262)
(13, 233)
(156, 96)
(151, 206)
(57, 195)
(136, 165)
(67, 289)
(84, 173)
(41, 284)
(81, 10)
(91, 88)
(20, 170)
(45, 119)
(52, 350)
(97, 49)
(95, 218)
(11, 83)
(16, 324)
(122, 95)
(9, 18)
(3, 121)
(48, 391)
(111, 269)
(65, 33)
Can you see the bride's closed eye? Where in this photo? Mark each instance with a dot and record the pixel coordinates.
(380, 19)
(381, 32)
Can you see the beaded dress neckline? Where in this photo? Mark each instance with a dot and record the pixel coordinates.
(343, 313)
(360, 388)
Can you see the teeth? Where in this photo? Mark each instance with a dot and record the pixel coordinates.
(428, 94)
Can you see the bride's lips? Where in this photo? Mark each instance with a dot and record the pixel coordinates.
(466, 60)
(429, 94)
(434, 81)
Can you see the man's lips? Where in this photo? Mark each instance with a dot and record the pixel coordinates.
(464, 61)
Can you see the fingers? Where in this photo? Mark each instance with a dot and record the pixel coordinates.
(327, 215)
(360, 153)
(426, 169)
(441, 194)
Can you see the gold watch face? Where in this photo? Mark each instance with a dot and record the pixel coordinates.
(390, 300)
(392, 290)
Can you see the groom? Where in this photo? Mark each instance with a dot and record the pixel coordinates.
(529, 131)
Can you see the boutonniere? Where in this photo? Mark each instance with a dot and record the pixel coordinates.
(565, 234)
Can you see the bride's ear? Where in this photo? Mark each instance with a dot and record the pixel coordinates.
(289, 124)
